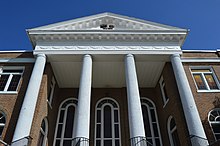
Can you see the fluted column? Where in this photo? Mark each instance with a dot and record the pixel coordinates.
(82, 121)
(136, 123)
(195, 128)
(23, 127)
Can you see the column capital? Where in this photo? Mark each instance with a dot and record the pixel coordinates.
(129, 55)
(41, 55)
(174, 55)
(87, 55)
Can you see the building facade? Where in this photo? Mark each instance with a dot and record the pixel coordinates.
(109, 80)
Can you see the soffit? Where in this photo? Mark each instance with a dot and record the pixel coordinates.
(107, 70)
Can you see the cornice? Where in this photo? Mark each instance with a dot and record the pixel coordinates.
(92, 48)
(177, 38)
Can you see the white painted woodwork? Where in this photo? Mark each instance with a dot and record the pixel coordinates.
(26, 115)
(136, 123)
(82, 121)
(191, 113)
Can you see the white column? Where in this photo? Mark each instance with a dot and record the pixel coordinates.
(193, 120)
(82, 121)
(23, 127)
(136, 123)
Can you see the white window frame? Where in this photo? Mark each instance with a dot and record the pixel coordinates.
(3, 124)
(204, 79)
(10, 77)
(170, 131)
(64, 121)
(102, 121)
(150, 120)
(44, 132)
(214, 122)
(52, 88)
(162, 88)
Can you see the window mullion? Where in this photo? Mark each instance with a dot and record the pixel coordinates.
(8, 82)
(63, 126)
(205, 81)
(113, 126)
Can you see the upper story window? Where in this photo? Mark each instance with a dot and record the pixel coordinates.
(172, 132)
(43, 133)
(205, 79)
(151, 124)
(214, 120)
(51, 91)
(107, 123)
(10, 78)
(64, 133)
(163, 90)
(2, 123)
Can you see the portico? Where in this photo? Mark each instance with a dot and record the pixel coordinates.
(132, 55)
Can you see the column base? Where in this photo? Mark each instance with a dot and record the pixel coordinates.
(80, 141)
(21, 142)
(140, 141)
(198, 141)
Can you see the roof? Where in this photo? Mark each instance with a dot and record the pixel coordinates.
(120, 22)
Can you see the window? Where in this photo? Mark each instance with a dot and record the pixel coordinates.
(2, 122)
(65, 122)
(10, 78)
(172, 132)
(163, 91)
(107, 123)
(214, 120)
(151, 125)
(51, 91)
(205, 78)
(43, 133)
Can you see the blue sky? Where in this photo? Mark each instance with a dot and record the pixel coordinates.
(202, 17)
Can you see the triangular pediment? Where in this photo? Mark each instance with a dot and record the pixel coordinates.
(107, 21)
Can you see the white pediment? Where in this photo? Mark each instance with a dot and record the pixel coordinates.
(107, 21)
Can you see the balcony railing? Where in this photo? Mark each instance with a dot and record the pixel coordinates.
(80, 141)
(140, 141)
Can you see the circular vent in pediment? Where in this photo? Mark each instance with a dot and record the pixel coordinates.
(107, 26)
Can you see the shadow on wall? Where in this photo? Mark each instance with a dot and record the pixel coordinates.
(216, 103)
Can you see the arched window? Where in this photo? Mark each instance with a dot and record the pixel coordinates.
(107, 123)
(151, 124)
(65, 121)
(43, 133)
(2, 122)
(214, 120)
(172, 132)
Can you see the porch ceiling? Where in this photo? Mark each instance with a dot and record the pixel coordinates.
(108, 70)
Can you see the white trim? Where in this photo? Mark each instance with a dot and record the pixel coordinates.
(63, 122)
(17, 60)
(153, 137)
(44, 132)
(204, 79)
(213, 122)
(199, 60)
(113, 138)
(170, 131)
(16, 51)
(201, 51)
(124, 52)
(162, 88)
(11, 74)
(51, 94)
(3, 124)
